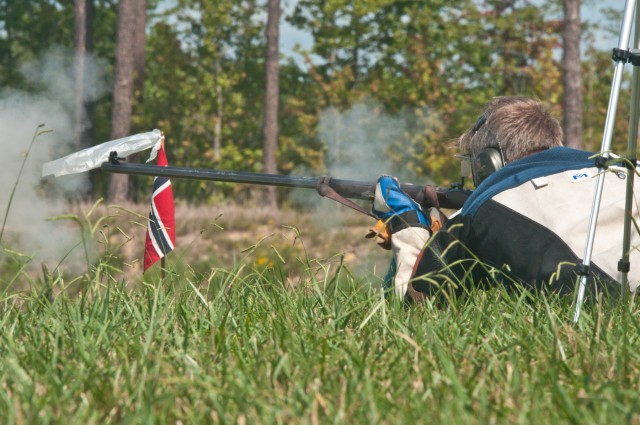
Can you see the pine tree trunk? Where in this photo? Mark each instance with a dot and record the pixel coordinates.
(139, 60)
(571, 75)
(272, 93)
(123, 90)
(139, 43)
(82, 42)
(83, 108)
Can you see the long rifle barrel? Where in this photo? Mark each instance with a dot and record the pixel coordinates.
(348, 188)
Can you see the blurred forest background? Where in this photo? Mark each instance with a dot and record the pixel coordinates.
(378, 86)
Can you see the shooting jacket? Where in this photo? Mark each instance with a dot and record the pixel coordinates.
(527, 224)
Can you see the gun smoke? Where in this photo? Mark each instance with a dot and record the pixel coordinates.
(28, 229)
(360, 143)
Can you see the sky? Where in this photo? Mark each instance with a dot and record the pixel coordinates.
(592, 11)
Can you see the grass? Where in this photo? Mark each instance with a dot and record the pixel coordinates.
(300, 339)
(248, 349)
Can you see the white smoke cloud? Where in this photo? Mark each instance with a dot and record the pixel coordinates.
(27, 228)
(360, 144)
(357, 141)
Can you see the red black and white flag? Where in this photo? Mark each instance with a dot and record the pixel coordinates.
(161, 231)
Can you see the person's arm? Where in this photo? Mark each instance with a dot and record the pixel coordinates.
(408, 228)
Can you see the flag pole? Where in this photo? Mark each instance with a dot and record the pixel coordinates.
(162, 263)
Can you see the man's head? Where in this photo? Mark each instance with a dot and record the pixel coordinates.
(516, 126)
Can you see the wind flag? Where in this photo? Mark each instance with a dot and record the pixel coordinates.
(161, 231)
(93, 157)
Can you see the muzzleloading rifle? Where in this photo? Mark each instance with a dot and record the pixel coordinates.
(336, 189)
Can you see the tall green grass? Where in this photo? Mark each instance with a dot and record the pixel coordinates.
(295, 339)
(243, 345)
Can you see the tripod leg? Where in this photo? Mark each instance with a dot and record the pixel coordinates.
(624, 265)
(623, 44)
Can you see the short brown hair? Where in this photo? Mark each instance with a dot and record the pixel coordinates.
(517, 125)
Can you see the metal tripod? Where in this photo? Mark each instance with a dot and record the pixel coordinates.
(621, 55)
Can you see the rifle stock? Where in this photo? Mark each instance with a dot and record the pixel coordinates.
(447, 198)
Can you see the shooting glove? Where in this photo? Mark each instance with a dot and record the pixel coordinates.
(406, 225)
(395, 208)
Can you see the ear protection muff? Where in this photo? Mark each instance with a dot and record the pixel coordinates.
(479, 123)
(485, 163)
(488, 160)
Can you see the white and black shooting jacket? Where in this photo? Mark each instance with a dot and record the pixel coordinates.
(527, 224)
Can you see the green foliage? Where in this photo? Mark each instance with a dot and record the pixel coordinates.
(24, 25)
(242, 345)
(430, 59)
(431, 64)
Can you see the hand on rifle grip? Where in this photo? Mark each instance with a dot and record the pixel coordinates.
(427, 197)
(396, 208)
